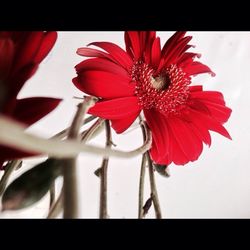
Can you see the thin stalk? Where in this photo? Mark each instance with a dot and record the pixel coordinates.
(12, 134)
(103, 211)
(154, 194)
(52, 192)
(141, 187)
(87, 134)
(7, 173)
(70, 194)
(70, 204)
(64, 132)
(57, 207)
(14, 165)
(142, 172)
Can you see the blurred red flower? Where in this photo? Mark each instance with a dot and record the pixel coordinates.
(156, 80)
(20, 55)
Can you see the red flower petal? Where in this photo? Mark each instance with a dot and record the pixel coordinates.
(120, 108)
(186, 138)
(156, 53)
(172, 41)
(176, 51)
(215, 103)
(179, 140)
(89, 52)
(199, 125)
(116, 52)
(157, 124)
(220, 112)
(199, 106)
(101, 64)
(30, 110)
(132, 41)
(202, 133)
(209, 122)
(178, 157)
(6, 57)
(195, 88)
(197, 68)
(47, 44)
(7, 153)
(148, 38)
(17, 80)
(143, 40)
(216, 111)
(121, 125)
(28, 51)
(104, 84)
(212, 96)
(187, 58)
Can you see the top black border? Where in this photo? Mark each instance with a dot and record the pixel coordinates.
(118, 16)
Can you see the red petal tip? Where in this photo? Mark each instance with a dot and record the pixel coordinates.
(78, 51)
(212, 74)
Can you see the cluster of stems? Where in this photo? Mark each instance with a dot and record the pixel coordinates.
(67, 200)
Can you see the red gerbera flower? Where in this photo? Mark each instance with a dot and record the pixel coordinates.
(20, 55)
(157, 81)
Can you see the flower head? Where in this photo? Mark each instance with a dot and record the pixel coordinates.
(158, 81)
(20, 55)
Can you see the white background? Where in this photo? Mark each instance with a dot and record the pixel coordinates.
(215, 186)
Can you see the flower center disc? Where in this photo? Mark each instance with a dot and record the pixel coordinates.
(166, 92)
(160, 82)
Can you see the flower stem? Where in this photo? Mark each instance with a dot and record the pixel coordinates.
(87, 134)
(12, 134)
(63, 133)
(154, 194)
(7, 173)
(103, 214)
(52, 194)
(141, 187)
(70, 194)
(57, 207)
(13, 165)
(70, 204)
(142, 173)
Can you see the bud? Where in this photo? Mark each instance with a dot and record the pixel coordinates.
(162, 169)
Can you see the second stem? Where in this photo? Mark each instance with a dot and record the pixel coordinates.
(70, 194)
(103, 214)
